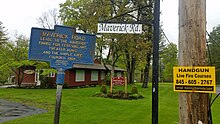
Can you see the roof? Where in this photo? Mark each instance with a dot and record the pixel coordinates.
(95, 66)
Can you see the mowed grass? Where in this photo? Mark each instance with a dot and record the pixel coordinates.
(80, 107)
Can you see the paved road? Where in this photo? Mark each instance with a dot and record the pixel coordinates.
(218, 89)
(11, 110)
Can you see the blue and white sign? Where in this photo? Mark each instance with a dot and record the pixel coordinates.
(62, 47)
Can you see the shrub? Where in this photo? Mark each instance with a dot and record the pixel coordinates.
(134, 90)
(103, 89)
(119, 94)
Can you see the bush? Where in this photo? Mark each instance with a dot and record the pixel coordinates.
(103, 89)
(119, 94)
(134, 90)
(135, 96)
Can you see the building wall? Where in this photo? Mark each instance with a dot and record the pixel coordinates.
(27, 74)
(69, 79)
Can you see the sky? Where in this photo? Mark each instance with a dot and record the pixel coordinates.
(19, 16)
(170, 19)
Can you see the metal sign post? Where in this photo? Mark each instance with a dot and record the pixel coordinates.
(113, 27)
(58, 104)
(59, 82)
(62, 47)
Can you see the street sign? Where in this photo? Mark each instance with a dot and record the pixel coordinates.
(118, 81)
(119, 28)
(61, 47)
(194, 79)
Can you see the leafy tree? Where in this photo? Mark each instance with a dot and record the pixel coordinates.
(85, 14)
(167, 61)
(13, 59)
(3, 57)
(15, 54)
(214, 47)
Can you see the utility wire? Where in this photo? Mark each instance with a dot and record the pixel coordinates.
(212, 39)
(167, 39)
(214, 99)
(210, 97)
(210, 58)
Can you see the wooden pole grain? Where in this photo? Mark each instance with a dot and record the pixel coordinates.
(193, 107)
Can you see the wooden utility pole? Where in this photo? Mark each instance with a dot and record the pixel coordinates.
(193, 107)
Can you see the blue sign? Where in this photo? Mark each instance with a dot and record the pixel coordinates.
(62, 47)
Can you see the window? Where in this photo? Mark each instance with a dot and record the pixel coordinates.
(37, 76)
(119, 74)
(51, 74)
(94, 75)
(102, 75)
(80, 75)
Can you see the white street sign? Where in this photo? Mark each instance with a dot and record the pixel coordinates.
(119, 28)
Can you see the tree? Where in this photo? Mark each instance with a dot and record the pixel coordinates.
(3, 58)
(85, 14)
(3, 34)
(13, 59)
(49, 19)
(15, 54)
(214, 47)
(168, 59)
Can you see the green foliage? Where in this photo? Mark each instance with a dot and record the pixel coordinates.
(119, 93)
(103, 89)
(48, 71)
(129, 49)
(135, 96)
(168, 59)
(107, 79)
(84, 14)
(13, 55)
(134, 90)
(214, 49)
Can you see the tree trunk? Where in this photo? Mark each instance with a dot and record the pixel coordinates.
(146, 76)
(133, 63)
(193, 107)
(142, 75)
(128, 66)
(146, 71)
(19, 77)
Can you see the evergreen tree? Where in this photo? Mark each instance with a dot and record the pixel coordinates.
(3, 34)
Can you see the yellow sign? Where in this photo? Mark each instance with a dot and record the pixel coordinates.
(194, 79)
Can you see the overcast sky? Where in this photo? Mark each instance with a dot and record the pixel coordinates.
(169, 17)
(20, 15)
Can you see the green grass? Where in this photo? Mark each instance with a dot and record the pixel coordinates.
(79, 107)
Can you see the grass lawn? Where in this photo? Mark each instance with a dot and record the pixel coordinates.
(79, 107)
